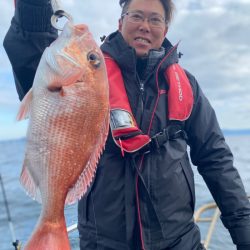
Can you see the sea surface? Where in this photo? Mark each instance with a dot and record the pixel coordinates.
(25, 212)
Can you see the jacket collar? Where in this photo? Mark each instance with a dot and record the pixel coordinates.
(120, 51)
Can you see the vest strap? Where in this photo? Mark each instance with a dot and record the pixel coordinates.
(171, 133)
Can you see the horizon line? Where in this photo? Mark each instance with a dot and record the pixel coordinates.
(226, 131)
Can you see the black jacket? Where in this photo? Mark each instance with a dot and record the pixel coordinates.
(160, 184)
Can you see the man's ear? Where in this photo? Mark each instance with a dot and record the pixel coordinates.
(120, 24)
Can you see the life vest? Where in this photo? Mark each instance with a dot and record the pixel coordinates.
(126, 133)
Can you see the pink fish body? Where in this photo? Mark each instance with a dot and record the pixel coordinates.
(68, 108)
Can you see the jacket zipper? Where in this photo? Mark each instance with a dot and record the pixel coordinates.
(142, 91)
(142, 95)
(142, 158)
(141, 88)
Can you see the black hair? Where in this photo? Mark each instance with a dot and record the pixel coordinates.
(168, 6)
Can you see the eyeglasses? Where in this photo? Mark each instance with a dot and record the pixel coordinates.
(155, 20)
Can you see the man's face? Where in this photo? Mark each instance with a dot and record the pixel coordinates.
(143, 27)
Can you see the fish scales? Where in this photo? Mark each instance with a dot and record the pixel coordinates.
(68, 108)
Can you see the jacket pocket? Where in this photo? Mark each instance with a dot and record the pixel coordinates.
(172, 194)
(189, 175)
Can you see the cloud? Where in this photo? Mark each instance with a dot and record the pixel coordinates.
(216, 49)
(101, 16)
(214, 40)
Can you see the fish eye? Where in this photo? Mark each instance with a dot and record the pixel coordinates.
(94, 59)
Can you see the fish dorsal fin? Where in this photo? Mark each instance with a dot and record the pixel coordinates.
(24, 109)
(87, 176)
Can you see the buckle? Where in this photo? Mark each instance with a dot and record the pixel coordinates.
(179, 134)
(159, 139)
(154, 142)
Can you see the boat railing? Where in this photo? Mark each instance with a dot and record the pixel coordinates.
(72, 228)
(199, 217)
(212, 219)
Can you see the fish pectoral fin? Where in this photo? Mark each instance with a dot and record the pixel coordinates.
(24, 109)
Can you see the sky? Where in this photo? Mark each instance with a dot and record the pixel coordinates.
(215, 44)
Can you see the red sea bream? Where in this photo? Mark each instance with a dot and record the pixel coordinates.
(68, 111)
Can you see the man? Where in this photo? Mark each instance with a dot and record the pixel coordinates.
(143, 194)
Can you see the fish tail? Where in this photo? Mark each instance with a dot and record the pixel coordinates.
(49, 236)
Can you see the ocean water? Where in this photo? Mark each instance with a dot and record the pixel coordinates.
(25, 212)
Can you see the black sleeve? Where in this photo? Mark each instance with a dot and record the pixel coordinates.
(214, 159)
(28, 36)
(245, 247)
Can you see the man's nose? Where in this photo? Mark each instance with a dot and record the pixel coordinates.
(145, 26)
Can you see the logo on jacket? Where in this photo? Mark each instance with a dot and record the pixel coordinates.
(178, 81)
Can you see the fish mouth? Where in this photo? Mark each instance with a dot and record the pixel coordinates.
(78, 30)
(81, 29)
